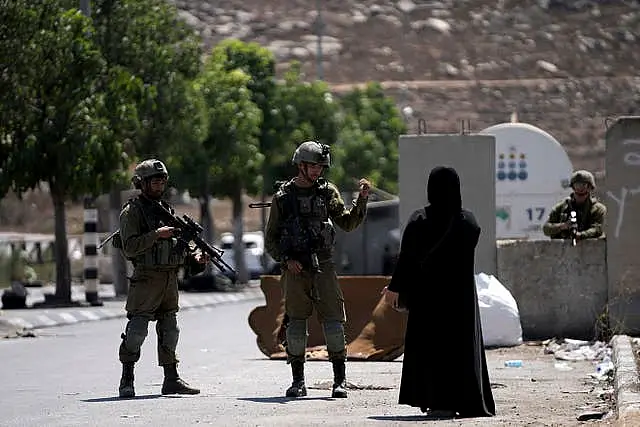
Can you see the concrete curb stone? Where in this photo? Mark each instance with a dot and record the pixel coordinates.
(626, 382)
(30, 319)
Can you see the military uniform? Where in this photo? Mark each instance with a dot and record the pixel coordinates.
(590, 215)
(301, 228)
(153, 289)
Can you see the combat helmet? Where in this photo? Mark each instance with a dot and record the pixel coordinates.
(148, 169)
(583, 176)
(312, 152)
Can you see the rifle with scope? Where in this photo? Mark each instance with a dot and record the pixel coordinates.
(188, 230)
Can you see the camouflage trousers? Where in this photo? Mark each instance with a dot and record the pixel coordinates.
(304, 292)
(153, 296)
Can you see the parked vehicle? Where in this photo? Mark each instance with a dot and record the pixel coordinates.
(254, 252)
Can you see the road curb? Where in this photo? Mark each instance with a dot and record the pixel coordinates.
(626, 381)
(60, 317)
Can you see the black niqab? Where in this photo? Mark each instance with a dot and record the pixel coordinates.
(443, 190)
(444, 366)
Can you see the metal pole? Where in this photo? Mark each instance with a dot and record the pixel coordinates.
(90, 243)
(85, 7)
(319, 29)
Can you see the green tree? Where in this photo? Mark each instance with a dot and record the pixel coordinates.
(368, 142)
(259, 63)
(149, 40)
(188, 160)
(302, 111)
(232, 145)
(55, 108)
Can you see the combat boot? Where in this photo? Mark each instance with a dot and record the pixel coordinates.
(297, 389)
(339, 379)
(173, 384)
(126, 381)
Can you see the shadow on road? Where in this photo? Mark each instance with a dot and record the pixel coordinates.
(281, 399)
(410, 418)
(116, 398)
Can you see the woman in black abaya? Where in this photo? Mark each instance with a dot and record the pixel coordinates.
(444, 370)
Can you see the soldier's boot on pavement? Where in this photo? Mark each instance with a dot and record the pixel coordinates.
(298, 388)
(173, 384)
(339, 379)
(126, 381)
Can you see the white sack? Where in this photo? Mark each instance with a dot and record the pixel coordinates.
(498, 312)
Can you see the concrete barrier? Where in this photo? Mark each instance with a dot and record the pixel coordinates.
(561, 290)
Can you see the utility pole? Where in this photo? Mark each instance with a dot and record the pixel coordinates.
(319, 29)
(85, 7)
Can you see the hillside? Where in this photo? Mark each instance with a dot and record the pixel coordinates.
(570, 58)
(562, 65)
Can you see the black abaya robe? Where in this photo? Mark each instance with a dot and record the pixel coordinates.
(444, 365)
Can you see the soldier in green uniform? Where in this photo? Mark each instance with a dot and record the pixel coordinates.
(153, 292)
(589, 213)
(300, 235)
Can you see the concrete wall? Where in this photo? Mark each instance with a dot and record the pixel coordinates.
(622, 191)
(560, 290)
(473, 156)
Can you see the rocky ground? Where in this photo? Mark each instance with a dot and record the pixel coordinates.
(583, 49)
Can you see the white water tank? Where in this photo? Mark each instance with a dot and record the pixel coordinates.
(532, 174)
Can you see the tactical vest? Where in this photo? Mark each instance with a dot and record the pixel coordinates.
(583, 215)
(305, 224)
(164, 252)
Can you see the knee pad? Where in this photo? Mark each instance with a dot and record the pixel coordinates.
(297, 337)
(168, 331)
(334, 335)
(135, 334)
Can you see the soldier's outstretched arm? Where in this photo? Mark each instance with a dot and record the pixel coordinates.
(553, 224)
(596, 227)
(272, 232)
(347, 219)
(134, 241)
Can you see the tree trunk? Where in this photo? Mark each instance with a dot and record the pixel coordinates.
(238, 231)
(118, 263)
(63, 266)
(208, 226)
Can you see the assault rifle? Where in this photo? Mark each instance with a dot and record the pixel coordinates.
(188, 230)
(573, 219)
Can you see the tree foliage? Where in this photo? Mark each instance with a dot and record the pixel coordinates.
(302, 111)
(368, 141)
(54, 114)
(232, 144)
(148, 40)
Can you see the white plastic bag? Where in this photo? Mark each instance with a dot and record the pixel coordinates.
(498, 313)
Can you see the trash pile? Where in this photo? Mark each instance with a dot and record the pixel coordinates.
(570, 350)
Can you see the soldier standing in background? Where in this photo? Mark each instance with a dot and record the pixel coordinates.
(300, 235)
(153, 291)
(588, 213)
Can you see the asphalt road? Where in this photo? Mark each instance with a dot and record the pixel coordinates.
(68, 376)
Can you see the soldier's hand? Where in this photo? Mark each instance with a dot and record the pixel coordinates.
(202, 258)
(165, 232)
(565, 226)
(294, 266)
(365, 186)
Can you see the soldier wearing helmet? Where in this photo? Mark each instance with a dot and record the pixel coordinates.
(587, 212)
(300, 235)
(153, 294)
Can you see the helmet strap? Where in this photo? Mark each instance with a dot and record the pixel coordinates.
(304, 172)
